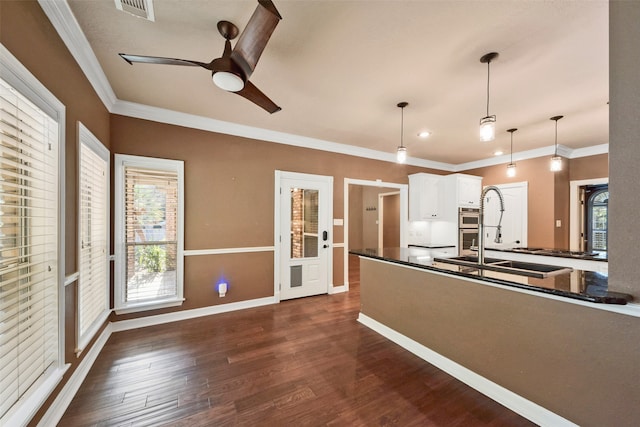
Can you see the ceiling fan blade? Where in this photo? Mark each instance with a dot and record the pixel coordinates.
(255, 36)
(254, 95)
(159, 60)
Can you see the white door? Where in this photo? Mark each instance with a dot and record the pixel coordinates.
(514, 220)
(305, 243)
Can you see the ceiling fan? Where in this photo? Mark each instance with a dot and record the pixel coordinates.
(231, 72)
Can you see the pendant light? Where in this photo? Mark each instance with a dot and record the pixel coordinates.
(402, 150)
(511, 167)
(488, 123)
(556, 161)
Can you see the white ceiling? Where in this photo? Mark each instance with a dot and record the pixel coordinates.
(338, 69)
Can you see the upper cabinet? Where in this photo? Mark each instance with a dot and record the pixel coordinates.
(438, 197)
(469, 189)
(424, 196)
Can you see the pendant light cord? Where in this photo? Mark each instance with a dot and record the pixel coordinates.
(511, 131)
(402, 127)
(488, 80)
(555, 151)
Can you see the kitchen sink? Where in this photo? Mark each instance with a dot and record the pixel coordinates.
(505, 266)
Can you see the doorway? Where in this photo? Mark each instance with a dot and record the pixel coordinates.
(362, 217)
(303, 261)
(595, 218)
(389, 219)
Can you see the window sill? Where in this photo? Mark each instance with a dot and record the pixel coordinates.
(153, 305)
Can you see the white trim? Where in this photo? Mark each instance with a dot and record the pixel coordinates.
(338, 245)
(18, 76)
(57, 409)
(594, 150)
(532, 154)
(71, 278)
(146, 112)
(222, 251)
(339, 289)
(120, 162)
(526, 408)
(88, 139)
(36, 396)
(404, 215)
(277, 229)
(65, 23)
(141, 322)
(574, 209)
(148, 305)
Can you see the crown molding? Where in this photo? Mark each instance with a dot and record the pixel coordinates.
(161, 115)
(65, 23)
(594, 150)
(532, 154)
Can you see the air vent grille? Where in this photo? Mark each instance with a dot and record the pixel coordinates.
(140, 8)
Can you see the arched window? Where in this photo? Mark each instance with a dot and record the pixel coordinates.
(597, 223)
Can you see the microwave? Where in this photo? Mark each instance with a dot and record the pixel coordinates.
(468, 217)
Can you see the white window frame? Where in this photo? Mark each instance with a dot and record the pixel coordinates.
(86, 138)
(120, 162)
(21, 79)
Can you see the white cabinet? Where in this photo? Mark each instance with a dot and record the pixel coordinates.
(438, 197)
(424, 197)
(469, 190)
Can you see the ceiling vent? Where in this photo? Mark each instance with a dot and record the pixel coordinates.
(140, 8)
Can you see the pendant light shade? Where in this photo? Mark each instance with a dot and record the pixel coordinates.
(488, 123)
(556, 161)
(511, 167)
(401, 154)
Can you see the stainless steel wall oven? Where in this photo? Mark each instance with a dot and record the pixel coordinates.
(467, 230)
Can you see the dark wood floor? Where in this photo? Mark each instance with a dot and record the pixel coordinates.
(301, 362)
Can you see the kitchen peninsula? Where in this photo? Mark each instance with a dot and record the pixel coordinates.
(527, 346)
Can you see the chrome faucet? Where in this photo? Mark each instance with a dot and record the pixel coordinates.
(498, 238)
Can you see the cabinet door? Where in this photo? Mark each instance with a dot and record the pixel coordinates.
(423, 197)
(469, 190)
(430, 198)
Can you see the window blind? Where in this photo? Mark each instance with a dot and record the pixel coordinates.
(93, 303)
(151, 233)
(28, 245)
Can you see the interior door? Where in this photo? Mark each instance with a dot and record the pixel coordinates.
(305, 240)
(514, 220)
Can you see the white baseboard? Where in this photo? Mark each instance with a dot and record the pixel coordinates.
(125, 325)
(526, 408)
(61, 403)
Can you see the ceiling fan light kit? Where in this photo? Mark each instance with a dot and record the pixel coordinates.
(556, 161)
(488, 123)
(401, 153)
(231, 72)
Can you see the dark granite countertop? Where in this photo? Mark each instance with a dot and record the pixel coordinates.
(579, 284)
(559, 253)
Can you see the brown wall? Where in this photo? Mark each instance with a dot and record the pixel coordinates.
(548, 198)
(624, 150)
(27, 33)
(229, 196)
(579, 363)
(589, 167)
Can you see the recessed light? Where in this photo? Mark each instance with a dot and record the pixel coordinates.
(498, 153)
(424, 134)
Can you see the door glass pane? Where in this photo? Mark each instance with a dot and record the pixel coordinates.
(304, 223)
